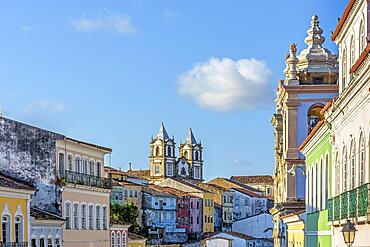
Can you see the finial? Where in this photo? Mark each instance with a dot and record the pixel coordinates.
(293, 49)
(292, 61)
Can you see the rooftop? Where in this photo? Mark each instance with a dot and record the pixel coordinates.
(265, 179)
(249, 193)
(134, 236)
(228, 184)
(40, 214)
(12, 183)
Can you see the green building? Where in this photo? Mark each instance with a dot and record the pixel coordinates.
(318, 152)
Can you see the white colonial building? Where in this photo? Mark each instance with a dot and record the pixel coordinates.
(350, 121)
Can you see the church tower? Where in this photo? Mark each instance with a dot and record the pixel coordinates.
(190, 154)
(162, 155)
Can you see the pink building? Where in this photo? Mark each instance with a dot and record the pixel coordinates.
(195, 216)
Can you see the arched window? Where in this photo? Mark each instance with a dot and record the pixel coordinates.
(91, 217)
(112, 240)
(67, 214)
(362, 160)
(18, 228)
(75, 216)
(123, 239)
(97, 217)
(196, 155)
(362, 40)
(83, 216)
(92, 167)
(98, 169)
(308, 191)
(84, 166)
(326, 197)
(105, 227)
(352, 49)
(119, 239)
(318, 186)
(186, 154)
(61, 164)
(345, 171)
(169, 151)
(5, 228)
(321, 189)
(157, 151)
(78, 164)
(314, 116)
(344, 69)
(337, 174)
(353, 166)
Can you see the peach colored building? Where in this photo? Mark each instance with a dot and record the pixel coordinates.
(85, 196)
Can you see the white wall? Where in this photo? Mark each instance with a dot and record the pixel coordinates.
(255, 226)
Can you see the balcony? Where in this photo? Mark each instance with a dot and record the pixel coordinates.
(87, 180)
(22, 244)
(351, 204)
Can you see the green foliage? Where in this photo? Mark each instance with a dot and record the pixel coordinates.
(125, 214)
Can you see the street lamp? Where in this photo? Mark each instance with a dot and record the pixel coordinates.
(349, 232)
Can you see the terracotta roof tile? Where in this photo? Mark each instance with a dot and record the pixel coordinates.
(12, 183)
(266, 179)
(312, 133)
(249, 193)
(361, 59)
(343, 19)
(133, 236)
(40, 214)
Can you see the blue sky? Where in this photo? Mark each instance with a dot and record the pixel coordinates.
(109, 72)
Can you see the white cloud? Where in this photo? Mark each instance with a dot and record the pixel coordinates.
(120, 23)
(46, 105)
(227, 85)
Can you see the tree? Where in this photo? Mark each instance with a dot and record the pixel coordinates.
(125, 214)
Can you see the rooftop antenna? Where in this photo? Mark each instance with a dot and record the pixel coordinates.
(130, 166)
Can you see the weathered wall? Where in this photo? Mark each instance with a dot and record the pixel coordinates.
(29, 154)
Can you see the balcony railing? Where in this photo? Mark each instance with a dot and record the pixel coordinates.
(350, 204)
(22, 244)
(87, 180)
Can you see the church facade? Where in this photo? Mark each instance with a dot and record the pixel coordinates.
(164, 162)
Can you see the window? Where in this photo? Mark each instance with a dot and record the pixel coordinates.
(198, 205)
(83, 217)
(92, 167)
(112, 241)
(169, 151)
(91, 217)
(18, 228)
(50, 242)
(344, 69)
(123, 239)
(353, 166)
(105, 218)
(362, 160)
(196, 155)
(198, 220)
(57, 242)
(78, 164)
(61, 164)
(97, 219)
(169, 169)
(156, 170)
(196, 172)
(119, 239)
(157, 151)
(314, 116)
(70, 163)
(84, 166)
(345, 171)
(135, 192)
(98, 169)
(75, 216)
(186, 154)
(42, 242)
(67, 213)
(33, 243)
(326, 194)
(5, 228)
(337, 174)
(362, 37)
(130, 193)
(352, 50)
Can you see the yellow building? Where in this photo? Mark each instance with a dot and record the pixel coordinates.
(295, 228)
(15, 200)
(135, 240)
